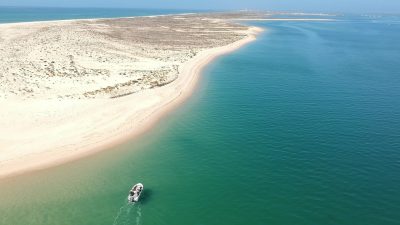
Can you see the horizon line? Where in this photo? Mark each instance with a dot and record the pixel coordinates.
(199, 10)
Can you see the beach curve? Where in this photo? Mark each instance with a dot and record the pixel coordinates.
(97, 124)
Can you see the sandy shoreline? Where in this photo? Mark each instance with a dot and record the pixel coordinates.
(284, 19)
(41, 133)
(87, 19)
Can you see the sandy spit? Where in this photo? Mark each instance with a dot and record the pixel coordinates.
(41, 133)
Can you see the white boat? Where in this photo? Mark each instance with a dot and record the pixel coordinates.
(135, 192)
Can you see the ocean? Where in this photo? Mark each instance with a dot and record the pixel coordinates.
(28, 14)
(301, 126)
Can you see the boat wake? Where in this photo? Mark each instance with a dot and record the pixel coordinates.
(129, 213)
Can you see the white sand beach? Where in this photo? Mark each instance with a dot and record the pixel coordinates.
(284, 19)
(71, 88)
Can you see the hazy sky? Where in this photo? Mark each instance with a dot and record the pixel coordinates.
(392, 6)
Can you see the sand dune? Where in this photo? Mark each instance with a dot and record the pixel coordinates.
(70, 88)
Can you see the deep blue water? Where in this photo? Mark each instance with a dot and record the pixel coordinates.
(301, 126)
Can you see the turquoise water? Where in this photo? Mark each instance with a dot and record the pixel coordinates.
(26, 14)
(300, 127)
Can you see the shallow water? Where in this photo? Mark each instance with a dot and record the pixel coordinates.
(300, 127)
(26, 14)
